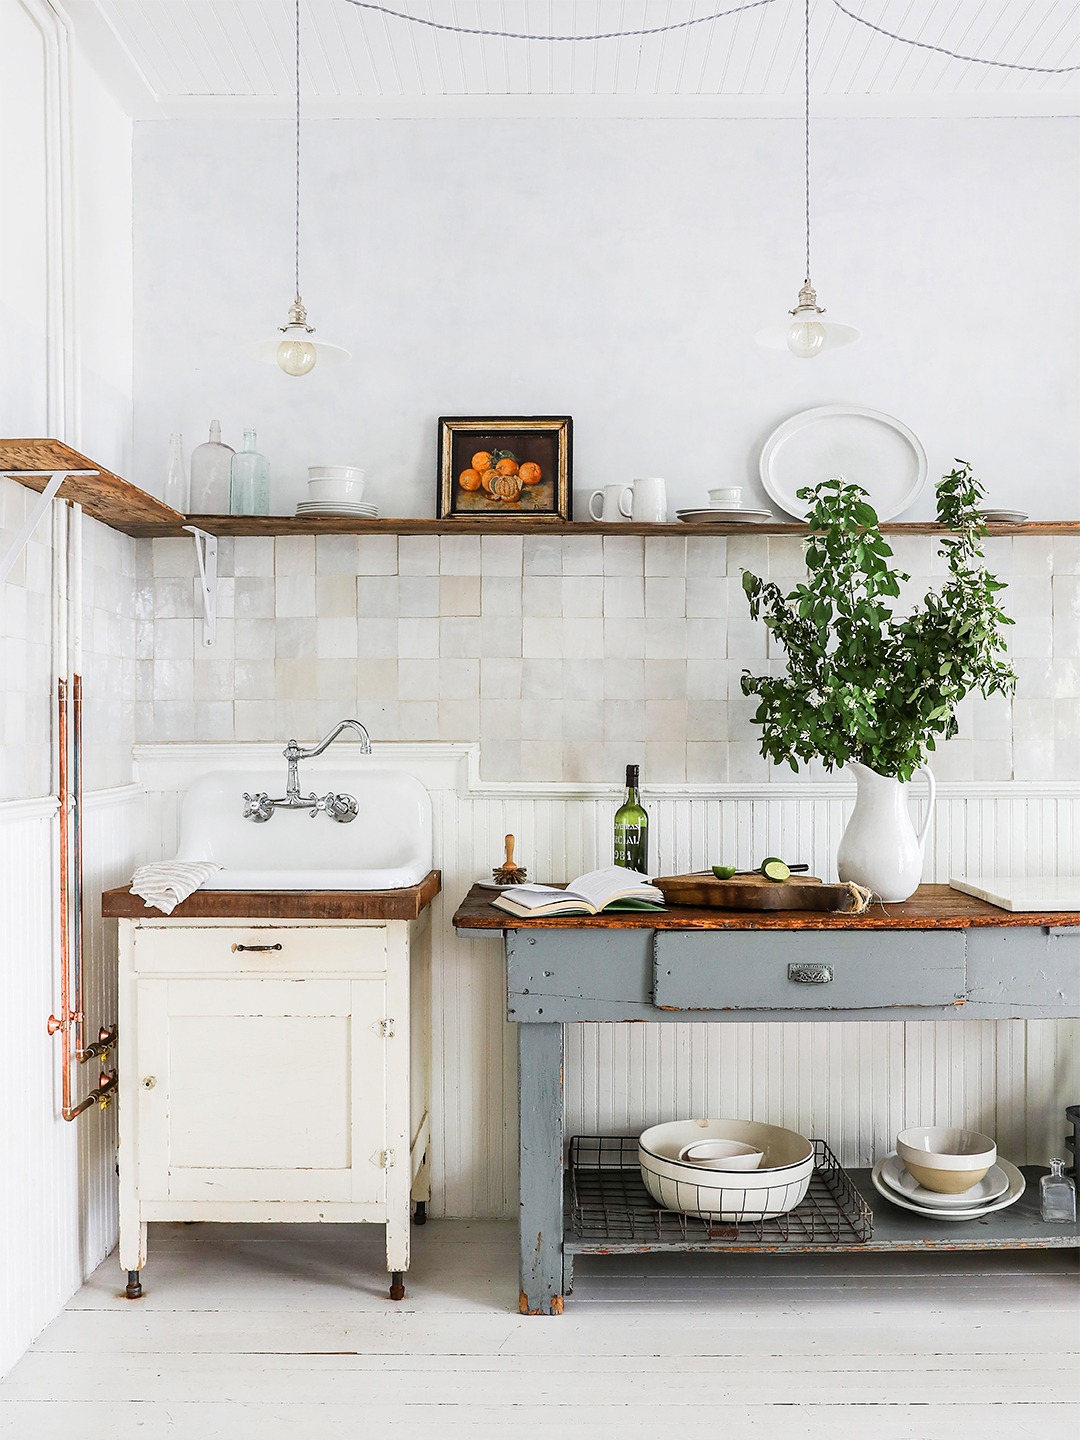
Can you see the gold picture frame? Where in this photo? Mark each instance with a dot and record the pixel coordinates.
(510, 467)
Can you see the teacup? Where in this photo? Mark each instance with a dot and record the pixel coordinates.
(725, 496)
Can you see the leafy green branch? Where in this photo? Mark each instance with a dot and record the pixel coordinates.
(862, 684)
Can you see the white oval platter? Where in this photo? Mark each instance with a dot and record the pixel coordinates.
(867, 447)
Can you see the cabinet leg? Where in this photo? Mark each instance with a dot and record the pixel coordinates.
(540, 1182)
(397, 1285)
(420, 1217)
(134, 1285)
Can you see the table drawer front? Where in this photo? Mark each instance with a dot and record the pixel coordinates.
(260, 949)
(807, 970)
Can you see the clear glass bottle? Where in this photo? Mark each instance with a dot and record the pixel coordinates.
(632, 828)
(249, 488)
(211, 475)
(177, 490)
(1057, 1194)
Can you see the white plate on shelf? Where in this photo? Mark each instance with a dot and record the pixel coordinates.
(868, 448)
(316, 507)
(1017, 1186)
(726, 515)
(1004, 517)
(994, 1183)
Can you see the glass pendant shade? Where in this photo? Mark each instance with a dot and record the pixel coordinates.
(806, 334)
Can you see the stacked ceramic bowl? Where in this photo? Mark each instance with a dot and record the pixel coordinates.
(947, 1174)
(725, 1169)
(336, 490)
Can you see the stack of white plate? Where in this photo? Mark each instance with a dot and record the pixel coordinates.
(725, 515)
(1001, 1186)
(1004, 517)
(337, 507)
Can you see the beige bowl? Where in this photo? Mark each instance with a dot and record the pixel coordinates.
(946, 1160)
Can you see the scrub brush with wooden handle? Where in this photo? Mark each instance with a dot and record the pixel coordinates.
(509, 874)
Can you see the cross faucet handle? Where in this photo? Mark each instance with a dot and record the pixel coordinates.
(258, 807)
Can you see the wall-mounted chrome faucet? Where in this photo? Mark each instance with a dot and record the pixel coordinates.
(342, 808)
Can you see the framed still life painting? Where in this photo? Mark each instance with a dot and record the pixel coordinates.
(520, 467)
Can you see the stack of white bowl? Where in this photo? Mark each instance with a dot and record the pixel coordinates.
(946, 1173)
(336, 490)
(725, 1169)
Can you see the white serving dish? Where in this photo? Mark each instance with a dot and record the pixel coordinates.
(722, 1155)
(994, 1183)
(335, 472)
(942, 1157)
(867, 447)
(774, 1188)
(1017, 1186)
(387, 846)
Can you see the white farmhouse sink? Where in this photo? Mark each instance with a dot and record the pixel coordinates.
(386, 847)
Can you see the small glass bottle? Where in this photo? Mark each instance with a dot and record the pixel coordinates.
(1058, 1195)
(249, 488)
(632, 828)
(177, 490)
(211, 475)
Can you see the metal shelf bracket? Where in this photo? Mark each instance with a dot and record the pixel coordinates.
(206, 554)
(56, 479)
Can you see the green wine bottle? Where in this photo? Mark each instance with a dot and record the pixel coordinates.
(632, 828)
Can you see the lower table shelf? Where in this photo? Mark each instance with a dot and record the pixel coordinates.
(609, 1212)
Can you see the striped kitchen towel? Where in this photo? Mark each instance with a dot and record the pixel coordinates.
(165, 884)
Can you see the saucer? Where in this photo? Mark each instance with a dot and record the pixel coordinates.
(994, 1183)
(1004, 517)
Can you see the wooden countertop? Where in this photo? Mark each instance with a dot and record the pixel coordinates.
(404, 904)
(931, 907)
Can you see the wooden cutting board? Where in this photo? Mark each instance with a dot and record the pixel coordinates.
(754, 892)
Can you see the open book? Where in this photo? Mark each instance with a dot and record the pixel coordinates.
(610, 889)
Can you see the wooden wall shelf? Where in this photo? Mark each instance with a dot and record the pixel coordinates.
(335, 525)
(102, 494)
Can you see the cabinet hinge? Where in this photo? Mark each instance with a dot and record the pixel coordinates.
(386, 1159)
(386, 1029)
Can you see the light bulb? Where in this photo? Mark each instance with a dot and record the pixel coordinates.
(806, 337)
(295, 355)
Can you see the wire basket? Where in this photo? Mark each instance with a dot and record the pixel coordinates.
(609, 1202)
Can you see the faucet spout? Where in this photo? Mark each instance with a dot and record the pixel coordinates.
(294, 754)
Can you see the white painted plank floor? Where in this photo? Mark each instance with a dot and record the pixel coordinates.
(261, 1332)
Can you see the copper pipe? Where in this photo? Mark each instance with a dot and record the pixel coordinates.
(107, 1082)
(64, 1022)
(77, 849)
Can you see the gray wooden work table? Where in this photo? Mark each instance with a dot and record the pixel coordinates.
(941, 955)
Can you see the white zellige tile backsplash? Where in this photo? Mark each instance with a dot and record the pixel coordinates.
(567, 657)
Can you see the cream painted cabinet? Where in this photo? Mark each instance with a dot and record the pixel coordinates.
(272, 1070)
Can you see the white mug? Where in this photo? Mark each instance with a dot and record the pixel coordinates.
(725, 495)
(612, 498)
(650, 500)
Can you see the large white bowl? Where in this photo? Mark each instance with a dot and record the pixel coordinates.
(945, 1158)
(778, 1185)
(335, 472)
(349, 491)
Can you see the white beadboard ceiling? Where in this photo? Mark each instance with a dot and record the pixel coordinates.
(176, 57)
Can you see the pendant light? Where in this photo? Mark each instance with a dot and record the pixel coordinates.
(296, 352)
(806, 334)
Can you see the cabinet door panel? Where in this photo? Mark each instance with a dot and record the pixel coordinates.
(263, 1089)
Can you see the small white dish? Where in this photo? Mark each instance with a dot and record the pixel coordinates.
(994, 1183)
(726, 516)
(1017, 1186)
(722, 1155)
(725, 495)
(348, 491)
(335, 472)
(1004, 517)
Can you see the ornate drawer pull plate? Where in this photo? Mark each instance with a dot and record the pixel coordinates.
(804, 974)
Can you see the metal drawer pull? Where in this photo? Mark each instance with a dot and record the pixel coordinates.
(804, 974)
(258, 947)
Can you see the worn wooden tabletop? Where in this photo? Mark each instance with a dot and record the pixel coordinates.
(932, 906)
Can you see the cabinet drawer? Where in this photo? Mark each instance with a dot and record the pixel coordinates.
(808, 969)
(260, 949)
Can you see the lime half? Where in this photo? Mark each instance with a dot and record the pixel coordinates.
(774, 869)
(723, 872)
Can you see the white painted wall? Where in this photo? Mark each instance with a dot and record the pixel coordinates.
(615, 270)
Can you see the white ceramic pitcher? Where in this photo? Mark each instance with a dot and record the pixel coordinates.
(879, 847)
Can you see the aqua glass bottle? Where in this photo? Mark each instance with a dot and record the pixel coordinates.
(249, 486)
(632, 828)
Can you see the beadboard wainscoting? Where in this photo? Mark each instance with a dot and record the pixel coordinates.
(854, 1084)
(61, 1191)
